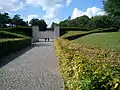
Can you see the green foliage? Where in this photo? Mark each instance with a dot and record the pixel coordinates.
(88, 68)
(72, 33)
(4, 19)
(4, 34)
(104, 21)
(27, 31)
(78, 22)
(112, 7)
(89, 32)
(53, 24)
(8, 46)
(41, 23)
(64, 30)
(18, 21)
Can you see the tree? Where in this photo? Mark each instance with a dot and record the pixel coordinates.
(64, 23)
(82, 21)
(18, 21)
(53, 24)
(4, 20)
(112, 7)
(41, 23)
(34, 22)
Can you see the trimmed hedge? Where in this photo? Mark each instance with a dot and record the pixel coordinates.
(8, 46)
(87, 68)
(5, 34)
(64, 30)
(27, 31)
(100, 30)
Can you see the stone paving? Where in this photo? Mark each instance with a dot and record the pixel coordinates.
(36, 69)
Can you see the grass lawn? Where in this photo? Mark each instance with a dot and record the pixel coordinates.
(71, 33)
(110, 41)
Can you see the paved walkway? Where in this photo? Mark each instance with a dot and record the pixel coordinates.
(36, 69)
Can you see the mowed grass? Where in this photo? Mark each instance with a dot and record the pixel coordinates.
(71, 33)
(109, 41)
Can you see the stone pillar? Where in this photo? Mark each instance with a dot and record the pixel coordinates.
(56, 31)
(35, 30)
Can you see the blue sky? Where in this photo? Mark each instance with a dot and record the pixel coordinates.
(52, 10)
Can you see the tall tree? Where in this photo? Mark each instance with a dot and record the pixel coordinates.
(41, 23)
(18, 21)
(53, 24)
(4, 19)
(112, 7)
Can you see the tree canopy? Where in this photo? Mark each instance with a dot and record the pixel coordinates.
(6, 20)
(112, 7)
(41, 23)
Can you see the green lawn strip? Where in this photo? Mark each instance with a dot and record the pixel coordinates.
(110, 41)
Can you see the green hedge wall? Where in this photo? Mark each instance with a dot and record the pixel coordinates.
(8, 46)
(27, 31)
(100, 30)
(5, 34)
(64, 30)
(85, 67)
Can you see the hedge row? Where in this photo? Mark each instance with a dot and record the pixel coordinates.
(19, 30)
(112, 29)
(64, 30)
(87, 68)
(8, 46)
(5, 34)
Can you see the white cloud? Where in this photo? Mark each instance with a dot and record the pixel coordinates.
(89, 12)
(10, 5)
(68, 2)
(52, 8)
(53, 12)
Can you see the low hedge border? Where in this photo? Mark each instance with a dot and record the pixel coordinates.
(99, 30)
(27, 31)
(64, 30)
(8, 46)
(87, 68)
(5, 34)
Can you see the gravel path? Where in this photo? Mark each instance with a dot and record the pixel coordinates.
(36, 69)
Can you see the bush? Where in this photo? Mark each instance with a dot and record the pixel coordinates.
(8, 46)
(4, 34)
(87, 68)
(20, 30)
(99, 30)
(64, 30)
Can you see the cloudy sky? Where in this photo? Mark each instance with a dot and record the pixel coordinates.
(52, 10)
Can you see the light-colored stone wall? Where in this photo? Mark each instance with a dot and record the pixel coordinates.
(56, 31)
(45, 34)
(35, 31)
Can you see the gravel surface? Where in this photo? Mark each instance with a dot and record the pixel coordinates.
(35, 68)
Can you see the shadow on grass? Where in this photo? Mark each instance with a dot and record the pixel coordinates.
(11, 57)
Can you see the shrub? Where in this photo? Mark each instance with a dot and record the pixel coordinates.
(99, 30)
(20, 30)
(63, 30)
(5, 34)
(87, 68)
(8, 46)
